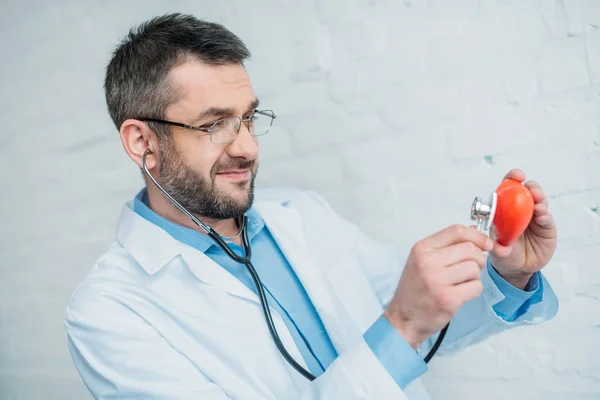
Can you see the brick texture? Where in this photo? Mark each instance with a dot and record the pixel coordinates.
(398, 112)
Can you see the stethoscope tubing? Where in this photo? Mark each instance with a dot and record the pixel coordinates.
(246, 260)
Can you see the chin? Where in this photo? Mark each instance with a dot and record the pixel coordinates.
(238, 192)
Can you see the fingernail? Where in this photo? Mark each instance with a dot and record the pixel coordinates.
(489, 244)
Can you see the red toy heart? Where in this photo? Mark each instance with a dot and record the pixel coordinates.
(514, 211)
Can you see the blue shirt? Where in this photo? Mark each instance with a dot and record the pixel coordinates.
(287, 296)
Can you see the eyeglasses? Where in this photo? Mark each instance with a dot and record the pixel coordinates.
(225, 130)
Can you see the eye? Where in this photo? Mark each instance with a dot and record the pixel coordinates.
(219, 124)
(213, 126)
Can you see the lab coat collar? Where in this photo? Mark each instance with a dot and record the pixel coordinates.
(132, 227)
(140, 237)
(189, 236)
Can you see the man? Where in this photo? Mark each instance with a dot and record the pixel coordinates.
(167, 314)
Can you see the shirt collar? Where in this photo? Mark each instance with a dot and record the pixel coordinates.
(191, 237)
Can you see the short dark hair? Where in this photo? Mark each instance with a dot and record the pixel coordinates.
(135, 84)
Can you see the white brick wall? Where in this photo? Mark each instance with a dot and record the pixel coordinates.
(399, 112)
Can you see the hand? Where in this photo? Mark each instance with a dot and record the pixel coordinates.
(441, 274)
(534, 248)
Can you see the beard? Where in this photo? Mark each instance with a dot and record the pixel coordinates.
(201, 196)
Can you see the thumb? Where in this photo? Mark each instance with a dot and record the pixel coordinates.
(500, 251)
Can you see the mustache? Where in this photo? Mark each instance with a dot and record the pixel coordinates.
(233, 164)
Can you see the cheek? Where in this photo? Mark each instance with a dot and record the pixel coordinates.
(201, 157)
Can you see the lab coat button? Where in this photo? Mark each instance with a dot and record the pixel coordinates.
(491, 292)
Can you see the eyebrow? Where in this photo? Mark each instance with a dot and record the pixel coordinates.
(218, 112)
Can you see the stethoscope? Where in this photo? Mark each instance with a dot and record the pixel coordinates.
(245, 260)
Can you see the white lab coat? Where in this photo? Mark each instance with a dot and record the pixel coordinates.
(157, 319)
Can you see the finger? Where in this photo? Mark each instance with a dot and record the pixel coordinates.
(545, 221)
(460, 252)
(468, 291)
(538, 193)
(458, 234)
(516, 174)
(533, 184)
(540, 209)
(462, 272)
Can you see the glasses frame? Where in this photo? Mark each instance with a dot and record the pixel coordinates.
(207, 129)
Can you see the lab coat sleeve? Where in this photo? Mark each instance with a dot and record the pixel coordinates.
(119, 355)
(474, 322)
(477, 320)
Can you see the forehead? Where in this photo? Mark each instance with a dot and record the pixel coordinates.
(203, 86)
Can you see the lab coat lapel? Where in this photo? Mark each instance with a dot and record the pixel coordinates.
(286, 227)
(211, 273)
(153, 257)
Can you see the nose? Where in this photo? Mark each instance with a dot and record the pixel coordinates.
(245, 145)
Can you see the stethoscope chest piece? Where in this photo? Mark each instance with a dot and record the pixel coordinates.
(483, 213)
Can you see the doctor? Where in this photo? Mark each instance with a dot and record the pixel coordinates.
(166, 314)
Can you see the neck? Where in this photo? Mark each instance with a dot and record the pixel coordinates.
(162, 206)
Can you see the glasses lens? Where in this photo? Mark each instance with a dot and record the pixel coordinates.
(261, 122)
(225, 130)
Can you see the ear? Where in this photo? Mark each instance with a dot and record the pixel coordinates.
(137, 137)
